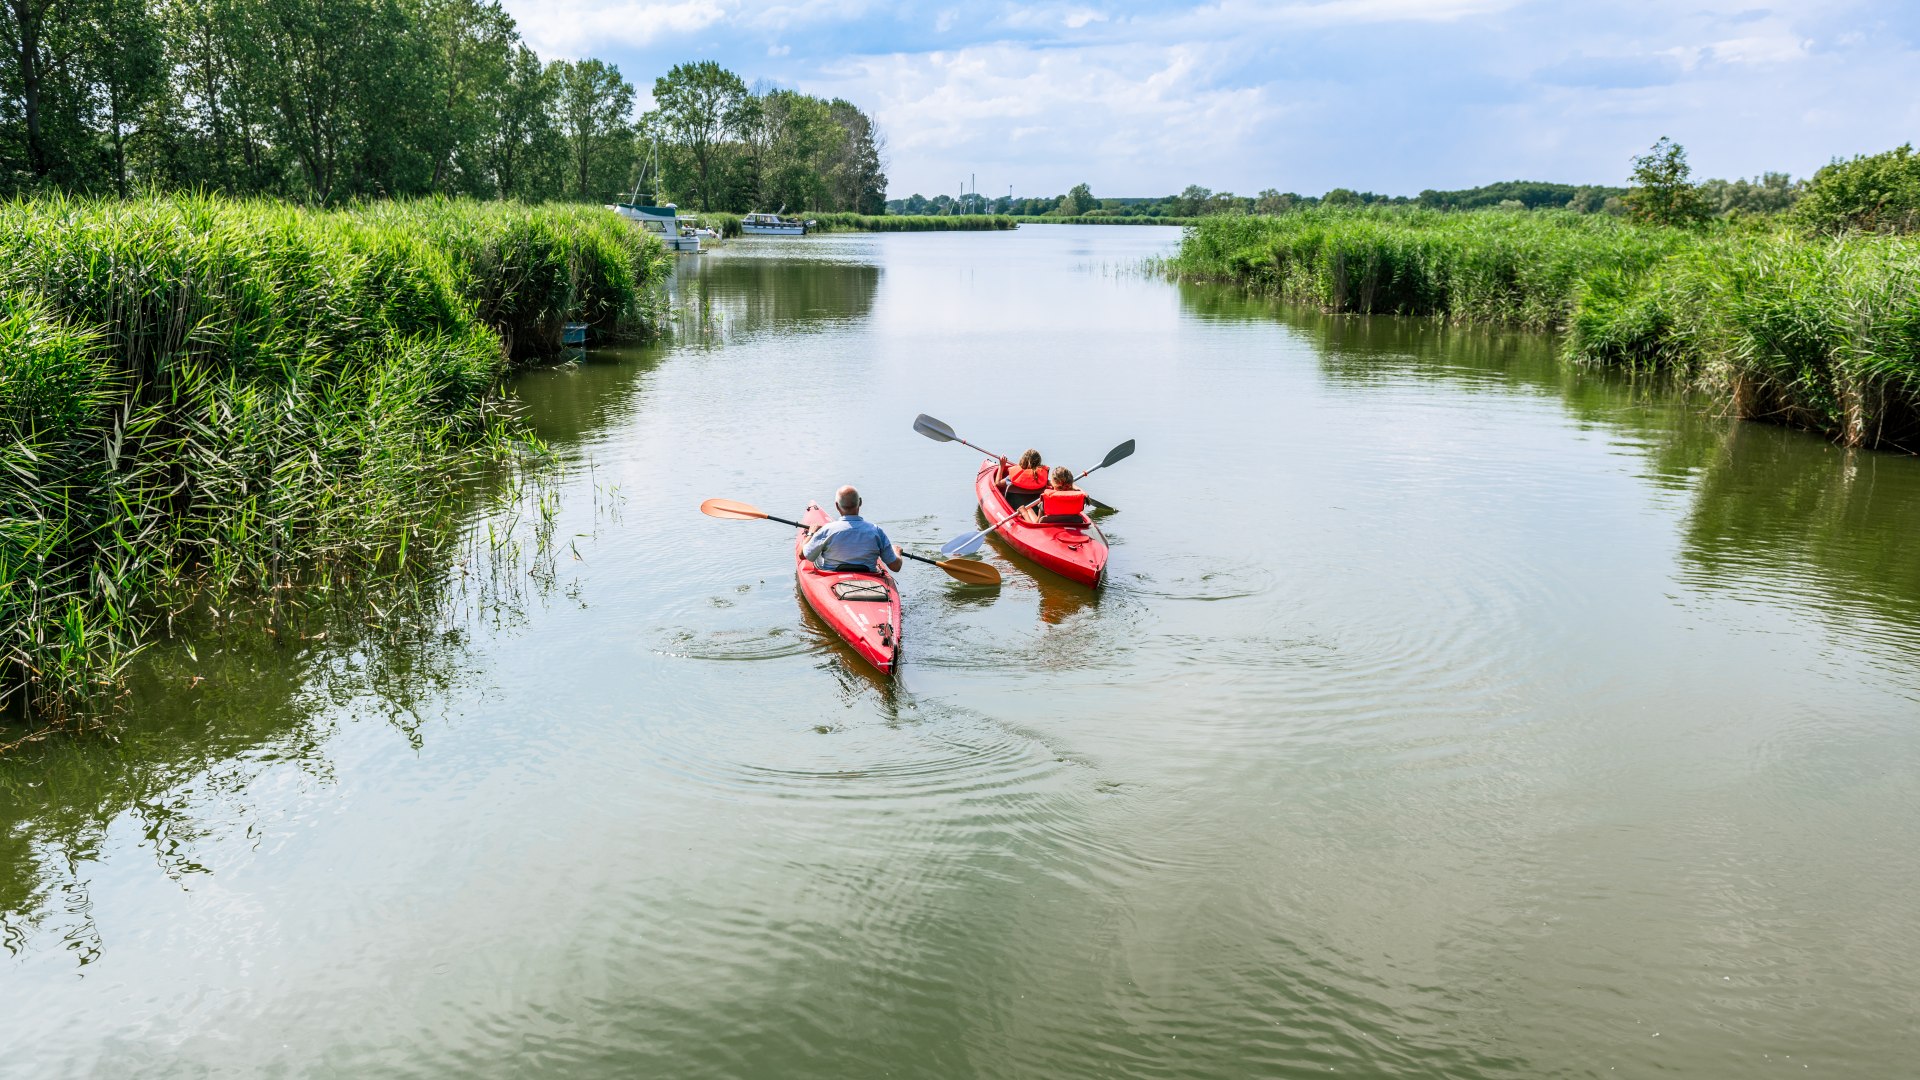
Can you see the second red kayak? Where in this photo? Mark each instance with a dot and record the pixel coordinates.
(1077, 552)
(864, 609)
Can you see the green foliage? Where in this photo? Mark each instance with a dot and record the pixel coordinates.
(727, 148)
(201, 398)
(1768, 193)
(1505, 267)
(1878, 193)
(332, 101)
(1078, 201)
(594, 102)
(1662, 194)
(1530, 194)
(1820, 334)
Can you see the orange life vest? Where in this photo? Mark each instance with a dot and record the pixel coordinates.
(1026, 479)
(1063, 503)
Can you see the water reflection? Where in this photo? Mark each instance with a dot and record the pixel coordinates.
(726, 296)
(1779, 515)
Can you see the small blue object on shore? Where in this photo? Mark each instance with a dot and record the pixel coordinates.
(574, 333)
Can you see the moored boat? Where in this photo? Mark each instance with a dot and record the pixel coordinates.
(663, 222)
(1076, 551)
(864, 609)
(772, 225)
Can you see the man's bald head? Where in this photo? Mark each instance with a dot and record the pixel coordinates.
(847, 499)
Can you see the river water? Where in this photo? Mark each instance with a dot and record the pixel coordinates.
(1446, 713)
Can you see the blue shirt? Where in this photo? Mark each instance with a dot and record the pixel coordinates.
(853, 541)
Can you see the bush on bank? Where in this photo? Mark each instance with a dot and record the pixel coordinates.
(201, 395)
(1821, 334)
(728, 225)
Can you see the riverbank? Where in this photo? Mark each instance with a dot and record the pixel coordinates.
(1818, 334)
(1104, 219)
(729, 224)
(205, 399)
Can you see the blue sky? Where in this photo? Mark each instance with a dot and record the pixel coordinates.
(1394, 96)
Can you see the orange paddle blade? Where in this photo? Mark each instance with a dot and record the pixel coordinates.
(731, 510)
(971, 572)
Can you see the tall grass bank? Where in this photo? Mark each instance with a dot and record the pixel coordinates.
(1816, 333)
(201, 397)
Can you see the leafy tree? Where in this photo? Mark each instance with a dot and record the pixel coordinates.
(856, 166)
(1877, 193)
(699, 105)
(523, 147)
(1662, 193)
(1341, 197)
(592, 106)
(1078, 201)
(471, 43)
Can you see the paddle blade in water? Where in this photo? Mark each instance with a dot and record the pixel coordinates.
(971, 572)
(731, 510)
(1118, 453)
(933, 429)
(962, 545)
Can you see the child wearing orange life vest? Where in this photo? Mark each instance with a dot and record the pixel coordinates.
(1062, 503)
(1026, 480)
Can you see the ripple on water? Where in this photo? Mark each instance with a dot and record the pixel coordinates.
(899, 758)
(767, 644)
(1195, 577)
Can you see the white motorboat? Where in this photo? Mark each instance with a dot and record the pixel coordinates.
(663, 222)
(773, 225)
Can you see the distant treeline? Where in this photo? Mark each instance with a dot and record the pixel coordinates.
(1866, 192)
(325, 101)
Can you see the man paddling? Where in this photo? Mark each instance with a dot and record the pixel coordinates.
(852, 544)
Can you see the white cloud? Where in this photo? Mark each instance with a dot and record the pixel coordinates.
(1775, 48)
(577, 28)
(1044, 119)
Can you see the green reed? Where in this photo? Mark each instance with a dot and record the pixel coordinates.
(204, 402)
(1814, 333)
(728, 225)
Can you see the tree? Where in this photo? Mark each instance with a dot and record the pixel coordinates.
(1078, 201)
(698, 106)
(1193, 201)
(856, 166)
(1272, 201)
(1340, 197)
(1877, 193)
(1661, 193)
(593, 104)
(523, 145)
(470, 44)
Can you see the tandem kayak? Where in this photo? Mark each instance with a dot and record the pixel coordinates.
(862, 608)
(1077, 552)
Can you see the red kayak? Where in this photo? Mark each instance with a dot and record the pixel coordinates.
(1077, 552)
(862, 608)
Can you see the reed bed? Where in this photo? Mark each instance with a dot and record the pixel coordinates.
(1822, 334)
(728, 225)
(204, 402)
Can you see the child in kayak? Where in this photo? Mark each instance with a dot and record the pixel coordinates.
(1062, 503)
(1025, 481)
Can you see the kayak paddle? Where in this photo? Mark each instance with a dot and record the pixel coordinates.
(967, 545)
(939, 431)
(962, 570)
